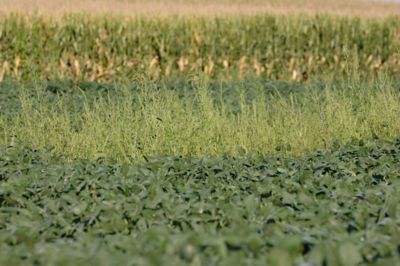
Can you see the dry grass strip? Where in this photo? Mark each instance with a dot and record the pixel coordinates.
(199, 8)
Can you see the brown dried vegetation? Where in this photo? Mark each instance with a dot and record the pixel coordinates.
(199, 8)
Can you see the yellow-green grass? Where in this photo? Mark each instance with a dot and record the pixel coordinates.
(159, 122)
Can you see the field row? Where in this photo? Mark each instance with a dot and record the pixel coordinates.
(134, 121)
(335, 208)
(272, 47)
(205, 8)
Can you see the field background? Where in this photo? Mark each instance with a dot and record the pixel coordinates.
(364, 8)
(199, 133)
(295, 48)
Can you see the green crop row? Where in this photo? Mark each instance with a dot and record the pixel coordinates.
(328, 208)
(132, 121)
(271, 47)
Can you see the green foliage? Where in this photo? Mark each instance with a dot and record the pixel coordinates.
(130, 122)
(196, 172)
(271, 47)
(338, 207)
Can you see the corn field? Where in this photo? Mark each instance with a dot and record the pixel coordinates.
(271, 47)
